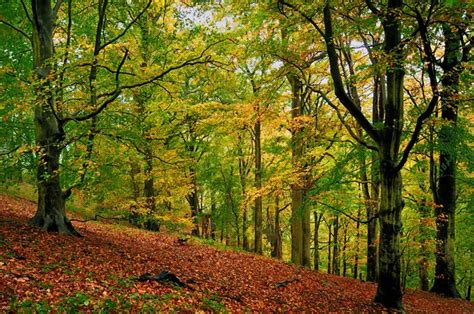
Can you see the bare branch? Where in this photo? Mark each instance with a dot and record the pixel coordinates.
(26, 11)
(307, 17)
(347, 102)
(56, 9)
(431, 61)
(16, 29)
(112, 96)
(341, 118)
(134, 20)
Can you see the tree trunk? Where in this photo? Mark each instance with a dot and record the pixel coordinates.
(148, 188)
(277, 250)
(344, 247)
(445, 279)
(424, 211)
(371, 202)
(335, 255)
(389, 289)
(356, 258)
(306, 225)
(296, 226)
(243, 184)
(329, 248)
(193, 201)
(51, 212)
(134, 171)
(300, 234)
(258, 214)
(317, 222)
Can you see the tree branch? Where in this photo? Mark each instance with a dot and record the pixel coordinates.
(281, 4)
(16, 29)
(134, 20)
(341, 118)
(337, 80)
(56, 9)
(26, 11)
(431, 61)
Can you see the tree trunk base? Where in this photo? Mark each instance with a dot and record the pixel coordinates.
(54, 223)
(392, 304)
(446, 289)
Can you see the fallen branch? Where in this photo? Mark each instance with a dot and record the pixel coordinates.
(285, 283)
(164, 276)
(96, 218)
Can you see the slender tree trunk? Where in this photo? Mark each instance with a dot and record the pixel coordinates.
(258, 214)
(193, 201)
(329, 248)
(277, 250)
(344, 247)
(306, 225)
(134, 171)
(372, 238)
(51, 212)
(148, 187)
(213, 216)
(424, 211)
(243, 184)
(317, 222)
(356, 258)
(335, 256)
(445, 279)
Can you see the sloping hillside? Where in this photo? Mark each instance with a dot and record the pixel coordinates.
(98, 271)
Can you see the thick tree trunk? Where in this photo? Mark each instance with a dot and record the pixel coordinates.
(387, 140)
(300, 214)
(389, 286)
(51, 213)
(445, 279)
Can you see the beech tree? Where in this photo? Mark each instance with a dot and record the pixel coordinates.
(50, 116)
(387, 138)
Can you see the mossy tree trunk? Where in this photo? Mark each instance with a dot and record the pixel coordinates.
(51, 213)
(445, 280)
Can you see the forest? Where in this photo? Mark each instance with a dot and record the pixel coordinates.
(324, 145)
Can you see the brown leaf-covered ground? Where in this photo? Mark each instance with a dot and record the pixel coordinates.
(40, 270)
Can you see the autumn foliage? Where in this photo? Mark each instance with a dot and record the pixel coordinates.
(44, 271)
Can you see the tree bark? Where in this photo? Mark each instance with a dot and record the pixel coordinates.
(277, 250)
(335, 255)
(329, 248)
(51, 212)
(193, 201)
(317, 222)
(356, 258)
(445, 279)
(243, 184)
(300, 214)
(258, 210)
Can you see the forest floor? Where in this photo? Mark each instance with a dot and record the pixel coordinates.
(41, 272)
